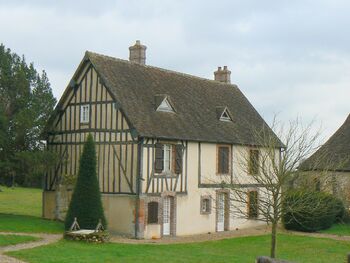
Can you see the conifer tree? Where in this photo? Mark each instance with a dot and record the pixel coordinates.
(26, 102)
(86, 204)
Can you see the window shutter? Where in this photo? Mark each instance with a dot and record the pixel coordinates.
(159, 158)
(254, 162)
(223, 160)
(253, 204)
(152, 213)
(178, 158)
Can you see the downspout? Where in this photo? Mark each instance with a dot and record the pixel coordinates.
(138, 184)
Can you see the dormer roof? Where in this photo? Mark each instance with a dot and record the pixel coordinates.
(163, 104)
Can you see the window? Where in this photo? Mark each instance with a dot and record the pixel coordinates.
(84, 113)
(168, 158)
(167, 148)
(152, 213)
(205, 205)
(225, 116)
(165, 106)
(253, 161)
(253, 204)
(223, 160)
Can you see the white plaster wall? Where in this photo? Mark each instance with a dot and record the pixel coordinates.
(208, 163)
(189, 219)
(152, 231)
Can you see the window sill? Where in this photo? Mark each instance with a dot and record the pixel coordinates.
(166, 174)
(226, 174)
(205, 213)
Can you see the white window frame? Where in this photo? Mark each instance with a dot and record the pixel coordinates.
(165, 106)
(168, 157)
(85, 113)
(224, 118)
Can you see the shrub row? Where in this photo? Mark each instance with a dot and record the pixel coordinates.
(311, 211)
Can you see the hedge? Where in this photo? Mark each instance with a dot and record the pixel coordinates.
(310, 211)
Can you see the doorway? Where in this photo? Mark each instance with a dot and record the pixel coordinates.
(167, 215)
(222, 212)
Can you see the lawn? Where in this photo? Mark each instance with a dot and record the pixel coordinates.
(20, 201)
(28, 224)
(20, 211)
(338, 229)
(245, 249)
(6, 240)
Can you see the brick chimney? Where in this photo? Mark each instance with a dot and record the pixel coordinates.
(138, 53)
(223, 75)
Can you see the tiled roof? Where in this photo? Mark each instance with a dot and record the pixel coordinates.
(334, 154)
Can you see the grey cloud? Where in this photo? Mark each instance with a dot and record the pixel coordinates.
(290, 57)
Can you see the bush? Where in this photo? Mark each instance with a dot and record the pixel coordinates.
(341, 214)
(86, 203)
(346, 218)
(311, 211)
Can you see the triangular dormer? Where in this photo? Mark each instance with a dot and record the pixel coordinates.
(225, 115)
(165, 105)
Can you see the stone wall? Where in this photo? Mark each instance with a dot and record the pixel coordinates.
(336, 183)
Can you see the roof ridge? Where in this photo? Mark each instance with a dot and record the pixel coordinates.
(162, 69)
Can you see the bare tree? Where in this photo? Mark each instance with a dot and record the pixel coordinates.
(267, 167)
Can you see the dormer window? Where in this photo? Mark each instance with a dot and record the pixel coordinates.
(225, 115)
(165, 105)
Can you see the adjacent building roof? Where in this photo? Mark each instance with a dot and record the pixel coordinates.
(334, 154)
(138, 88)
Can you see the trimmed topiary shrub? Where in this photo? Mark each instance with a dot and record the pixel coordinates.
(86, 204)
(310, 211)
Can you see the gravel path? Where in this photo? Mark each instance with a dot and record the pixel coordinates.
(45, 240)
(256, 231)
(318, 235)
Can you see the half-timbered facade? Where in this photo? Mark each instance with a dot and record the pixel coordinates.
(165, 142)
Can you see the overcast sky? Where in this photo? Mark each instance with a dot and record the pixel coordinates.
(288, 57)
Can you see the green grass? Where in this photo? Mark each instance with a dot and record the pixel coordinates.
(20, 201)
(20, 211)
(28, 224)
(244, 249)
(6, 240)
(338, 229)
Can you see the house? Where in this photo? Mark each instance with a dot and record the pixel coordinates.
(329, 166)
(165, 142)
